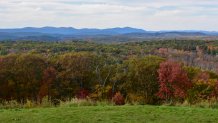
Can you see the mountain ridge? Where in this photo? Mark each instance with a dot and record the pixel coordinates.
(118, 34)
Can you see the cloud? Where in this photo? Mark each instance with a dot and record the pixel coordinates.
(147, 14)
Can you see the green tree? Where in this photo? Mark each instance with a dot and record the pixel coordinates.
(9, 87)
(142, 78)
(29, 74)
(76, 72)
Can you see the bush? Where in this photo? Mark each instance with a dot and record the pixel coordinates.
(118, 99)
(135, 99)
(102, 93)
(82, 94)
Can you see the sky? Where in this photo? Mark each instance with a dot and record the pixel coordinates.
(145, 14)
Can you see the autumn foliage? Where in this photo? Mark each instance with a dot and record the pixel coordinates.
(82, 75)
(118, 99)
(82, 94)
(173, 80)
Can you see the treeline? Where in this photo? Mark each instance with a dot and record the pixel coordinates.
(143, 80)
(137, 48)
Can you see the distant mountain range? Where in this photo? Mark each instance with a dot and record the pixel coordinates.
(108, 35)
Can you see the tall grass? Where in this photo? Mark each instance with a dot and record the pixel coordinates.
(27, 104)
(75, 102)
(211, 103)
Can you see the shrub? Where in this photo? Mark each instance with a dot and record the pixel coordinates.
(135, 99)
(204, 88)
(82, 94)
(101, 93)
(118, 99)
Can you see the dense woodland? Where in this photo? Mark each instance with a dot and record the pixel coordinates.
(149, 72)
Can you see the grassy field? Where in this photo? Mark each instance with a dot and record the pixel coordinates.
(110, 114)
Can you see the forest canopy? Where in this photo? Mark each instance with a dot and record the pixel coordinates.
(149, 72)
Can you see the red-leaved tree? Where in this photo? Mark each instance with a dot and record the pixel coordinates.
(173, 81)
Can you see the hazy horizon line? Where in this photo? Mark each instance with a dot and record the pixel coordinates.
(107, 28)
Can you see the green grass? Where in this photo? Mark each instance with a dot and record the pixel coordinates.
(110, 114)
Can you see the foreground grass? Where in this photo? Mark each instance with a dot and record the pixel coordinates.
(109, 114)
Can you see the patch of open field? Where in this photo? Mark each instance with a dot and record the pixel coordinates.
(110, 114)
